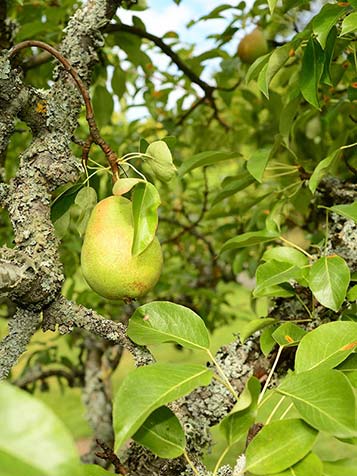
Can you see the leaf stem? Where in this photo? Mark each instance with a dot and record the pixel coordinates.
(286, 411)
(193, 467)
(220, 459)
(290, 243)
(306, 309)
(223, 375)
(136, 170)
(270, 374)
(275, 409)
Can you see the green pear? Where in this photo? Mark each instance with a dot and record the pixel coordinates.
(252, 46)
(107, 262)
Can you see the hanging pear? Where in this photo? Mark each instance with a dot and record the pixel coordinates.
(252, 46)
(107, 262)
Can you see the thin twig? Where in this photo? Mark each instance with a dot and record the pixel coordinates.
(108, 455)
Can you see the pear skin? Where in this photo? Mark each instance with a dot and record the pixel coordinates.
(252, 46)
(107, 263)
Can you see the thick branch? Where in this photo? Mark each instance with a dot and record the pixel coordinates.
(21, 328)
(45, 165)
(69, 315)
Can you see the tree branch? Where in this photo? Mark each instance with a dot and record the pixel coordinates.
(45, 165)
(112, 28)
(22, 327)
(69, 315)
(94, 131)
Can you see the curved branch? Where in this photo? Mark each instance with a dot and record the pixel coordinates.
(94, 131)
(112, 28)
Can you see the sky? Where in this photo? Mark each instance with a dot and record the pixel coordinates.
(164, 15)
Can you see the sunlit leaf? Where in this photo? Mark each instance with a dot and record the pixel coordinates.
(137, 397)
(349, 24)
(325, 399)
(162, 434)
(161, 321)
(30, 430)
(328, 279)
(327, 346)
(279, 445)
(325, 20)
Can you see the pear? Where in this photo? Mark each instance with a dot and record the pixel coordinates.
(107, 262)
(252, 46)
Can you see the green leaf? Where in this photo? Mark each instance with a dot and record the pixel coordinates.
(329, 54)
(279, 445)
(328, 279)
(325, 399)
(323, 167)
(63, 200)
(203, 159)
(327, 346)
(253, 326)
(273, 273)
(325, 20)
(348, 211)
(257, 163)
(232, 185)
(352, 293)
(94, 470)
(311, 465)
(236, 425)
(124, 185)
(272, 5)
(148, 388)
(266, 341)
(249, 396)
(103, 105)
(350, 364)
(146, 201)
(287, 255)
(276, 60)
(250, 238)
(311, 71)
(288, 334)
(61, 225)
(13, 466)
(119, 81)
(343, 467)
(349, 24)
(162, 321)
(161, 160)
(162, 434)
(256, 67)
(86, 200)
(29, 430)
(287, 116)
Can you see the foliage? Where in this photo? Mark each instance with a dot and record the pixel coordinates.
(255, 170)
